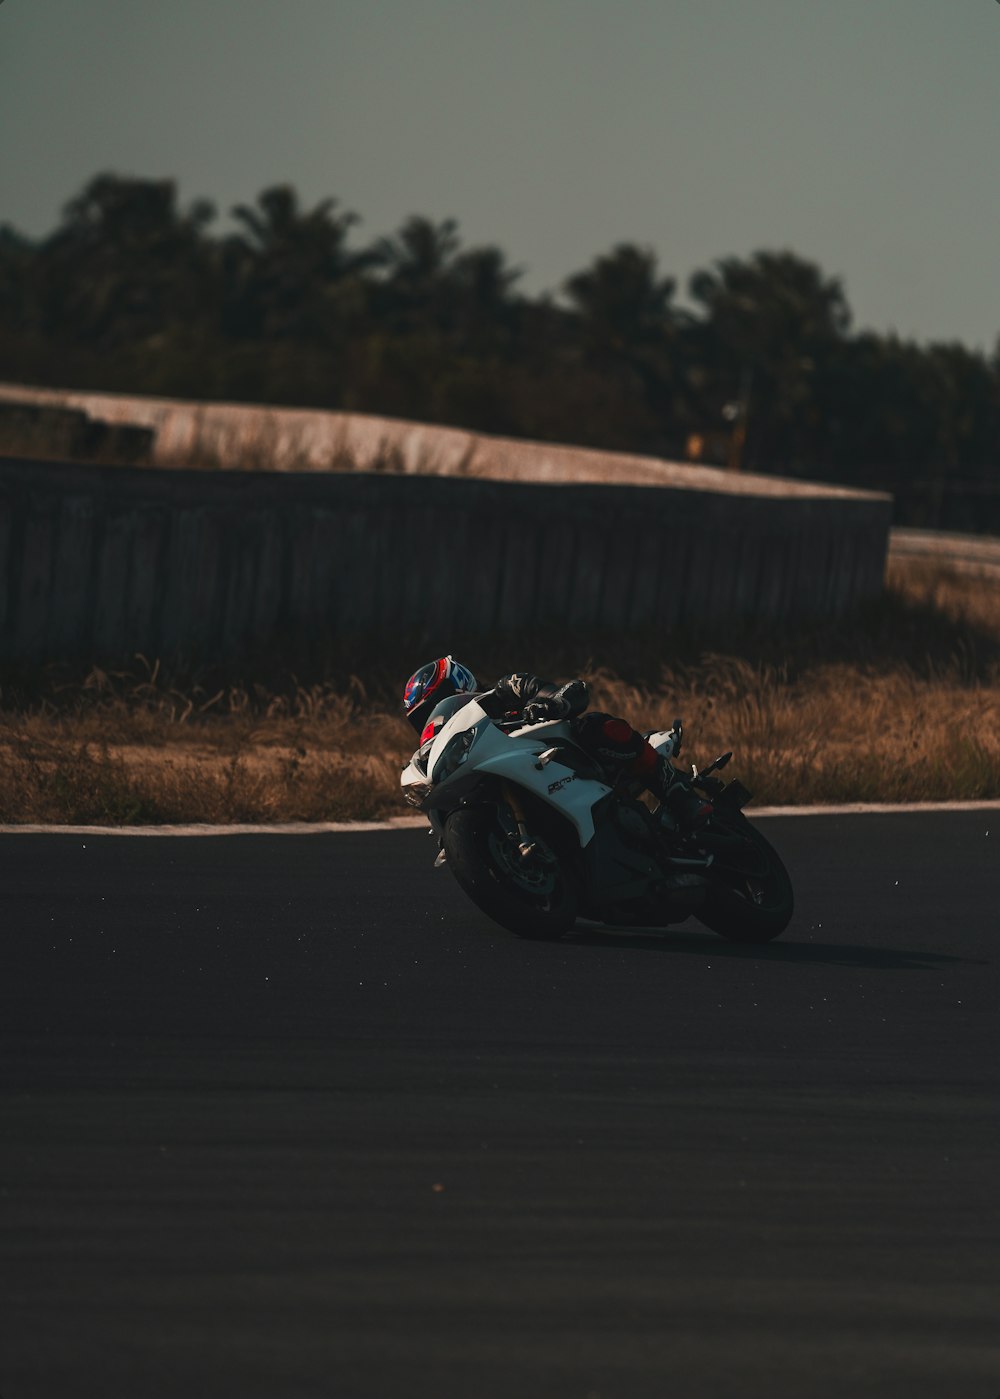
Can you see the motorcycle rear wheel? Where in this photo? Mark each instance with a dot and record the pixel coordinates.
(532, 896)
(749, 896)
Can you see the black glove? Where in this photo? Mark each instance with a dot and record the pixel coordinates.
(547, 707)
(517, 689)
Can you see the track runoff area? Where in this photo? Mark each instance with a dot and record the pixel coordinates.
(290, 1117)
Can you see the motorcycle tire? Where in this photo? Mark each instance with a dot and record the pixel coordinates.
(749, 896)
(534, 900)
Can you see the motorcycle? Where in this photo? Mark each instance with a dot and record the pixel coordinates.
(537, 836)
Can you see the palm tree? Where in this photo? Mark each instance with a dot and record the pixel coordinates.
(774, 320)
(285, 265)
(124, 263)
(625, 328)
(621, 301)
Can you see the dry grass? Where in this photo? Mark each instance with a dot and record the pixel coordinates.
(266, 450)
(835, 734)
(902, 703)
(128, 751)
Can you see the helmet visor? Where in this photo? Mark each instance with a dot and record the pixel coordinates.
(419, 685)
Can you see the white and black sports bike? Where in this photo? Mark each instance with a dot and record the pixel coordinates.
(537, 836)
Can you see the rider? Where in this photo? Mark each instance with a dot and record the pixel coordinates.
(618, 748)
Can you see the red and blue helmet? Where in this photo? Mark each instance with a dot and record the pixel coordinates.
(432, 683)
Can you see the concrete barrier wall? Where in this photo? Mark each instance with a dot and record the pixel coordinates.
(99, 562)
(241, 436)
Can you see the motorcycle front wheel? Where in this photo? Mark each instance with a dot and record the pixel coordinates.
(529, 895)
(749, 896)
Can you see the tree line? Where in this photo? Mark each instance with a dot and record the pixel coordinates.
(134, 293)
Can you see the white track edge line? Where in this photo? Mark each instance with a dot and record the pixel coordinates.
(402, 823)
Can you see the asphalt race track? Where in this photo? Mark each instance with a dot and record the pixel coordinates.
(286, 1117)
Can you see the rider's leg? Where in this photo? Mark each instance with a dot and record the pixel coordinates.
(623, 751)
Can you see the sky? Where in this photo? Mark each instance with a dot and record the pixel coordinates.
(863, 135)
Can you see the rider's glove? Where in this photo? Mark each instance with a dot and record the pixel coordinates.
(547, 707)
(575, 694)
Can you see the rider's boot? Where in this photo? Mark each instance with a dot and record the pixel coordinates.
(682, 809)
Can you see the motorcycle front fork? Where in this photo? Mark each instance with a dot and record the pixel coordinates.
(527, 845)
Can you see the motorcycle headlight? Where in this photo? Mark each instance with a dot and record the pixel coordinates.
(454, 755)
(415, 792)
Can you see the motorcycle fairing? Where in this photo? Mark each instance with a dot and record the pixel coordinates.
(515, 756)
(615, 870)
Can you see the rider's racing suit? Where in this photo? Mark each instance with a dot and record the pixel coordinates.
(612, 742)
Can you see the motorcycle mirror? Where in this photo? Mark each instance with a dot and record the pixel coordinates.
(717, 765)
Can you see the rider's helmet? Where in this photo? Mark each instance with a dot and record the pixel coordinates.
(431, 684)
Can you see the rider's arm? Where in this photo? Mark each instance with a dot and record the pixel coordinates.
(512, 693)
(574, 695)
